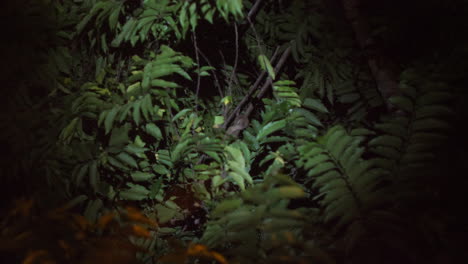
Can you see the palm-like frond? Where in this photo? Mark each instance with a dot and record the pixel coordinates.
(345, 182)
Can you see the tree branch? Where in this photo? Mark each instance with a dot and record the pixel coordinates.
(269, 81)
(195, 44)
(249, 94)
(250, 16)
(379, 64)
(245, 116)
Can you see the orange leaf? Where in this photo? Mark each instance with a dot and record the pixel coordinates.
(105, 220)
(135, 215)
(141, 231)
(201, 250)
(33, 255)
(197, 249)
(23, 207)
(82, 222)
(80, 235)
(220, 258)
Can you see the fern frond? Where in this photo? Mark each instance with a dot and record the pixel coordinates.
(408, 141)
(345, 182)
(238, 166)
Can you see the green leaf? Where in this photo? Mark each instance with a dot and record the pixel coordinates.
(135, 149)
(108, 122)
(213, 155)
(154, 131)
(155, 188)
(434, 110)
(136, 112)
(266, 65)
(314, 104)
(236, 154)
(386, 152)
(135, 193)
(127, 159)
(91, 211)
(282, 224)
(165, 214)
(235, 7)
(124, 112)
(349, 98)
(321, 168)
(309, 116)
(160, 169)
(218, 120)
(126, 31)
(181, 114)
(314, 161)
(360, 131)
(289, 192)
(428, 124)
(119, 136)
(386, 140)
(270, 128)
(284, 83)
(240, 170)
(183, 20)
(164, 84)
(77, 200)
(146, 107)
(434, 97)
(141, 176)
(114, 17)
(80, 174)
(209, 15)
(193, 16)
(147, 76)
(238, 179)
(402, 102)
(94, 176)
(116, 163)
(180, 149)
(226, 206)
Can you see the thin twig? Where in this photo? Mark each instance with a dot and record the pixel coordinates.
(251, 16)
(249, 94)
(198, 66)
(253, 11)
(233, 114)
(235, 60)
(269, 81)
(257, 38)
(215, 76)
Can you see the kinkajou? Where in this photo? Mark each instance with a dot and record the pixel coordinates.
(240, 123)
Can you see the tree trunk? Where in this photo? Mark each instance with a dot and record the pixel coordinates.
(380, 65)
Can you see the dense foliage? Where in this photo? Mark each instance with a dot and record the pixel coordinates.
(233, 131)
